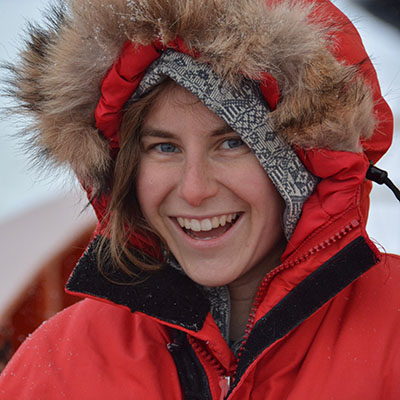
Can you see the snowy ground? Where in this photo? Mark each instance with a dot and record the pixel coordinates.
(22, 187)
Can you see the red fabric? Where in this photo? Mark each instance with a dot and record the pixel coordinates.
(119, 84)
(94, 350)
(342, 175)
(270, 90)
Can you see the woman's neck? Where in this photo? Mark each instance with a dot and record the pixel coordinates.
(243, 290)
(241, 302)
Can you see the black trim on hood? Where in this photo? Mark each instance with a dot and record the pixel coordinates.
(167, 294)
(305, 299)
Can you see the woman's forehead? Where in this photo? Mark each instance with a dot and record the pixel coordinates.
(174, 106)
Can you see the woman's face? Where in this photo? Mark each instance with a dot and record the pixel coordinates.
(206, 194)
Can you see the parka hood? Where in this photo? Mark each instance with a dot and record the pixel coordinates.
(328, 101)
(324, 101)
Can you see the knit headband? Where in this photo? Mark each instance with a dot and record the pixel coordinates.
(243, 108)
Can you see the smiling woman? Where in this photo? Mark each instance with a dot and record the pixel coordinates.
(224, 146)
(196, 170)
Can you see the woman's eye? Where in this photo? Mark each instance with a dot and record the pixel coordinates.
(232, 143)
(166, 148)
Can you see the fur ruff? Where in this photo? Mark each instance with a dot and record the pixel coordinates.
(324, 103)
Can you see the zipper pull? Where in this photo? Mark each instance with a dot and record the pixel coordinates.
(224, 384)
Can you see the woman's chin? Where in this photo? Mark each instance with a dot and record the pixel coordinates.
(210, 274)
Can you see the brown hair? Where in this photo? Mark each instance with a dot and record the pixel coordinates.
(124, 214)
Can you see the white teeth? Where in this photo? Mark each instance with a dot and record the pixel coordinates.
(195, 225)
(215, 222)
(206, 224)
(187, 224)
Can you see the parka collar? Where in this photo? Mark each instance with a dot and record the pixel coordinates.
(173, 298)
(166, 294)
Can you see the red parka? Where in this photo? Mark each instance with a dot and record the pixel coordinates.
(324, 325)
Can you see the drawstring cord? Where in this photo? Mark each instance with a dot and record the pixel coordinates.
(381, 177)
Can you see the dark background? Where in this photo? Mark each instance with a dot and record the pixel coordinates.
(387, 10)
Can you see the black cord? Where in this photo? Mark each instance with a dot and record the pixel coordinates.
(381, 177)
(393, 187)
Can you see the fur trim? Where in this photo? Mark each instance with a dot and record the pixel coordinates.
(324, 103)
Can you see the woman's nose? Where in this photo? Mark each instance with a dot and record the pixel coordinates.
(198, 182)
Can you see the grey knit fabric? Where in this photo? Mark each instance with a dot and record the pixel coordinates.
(244, 109)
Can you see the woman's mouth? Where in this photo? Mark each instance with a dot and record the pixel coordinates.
(207, 228)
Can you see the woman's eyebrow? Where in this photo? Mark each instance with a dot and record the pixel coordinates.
(159, 133)
(223, 130)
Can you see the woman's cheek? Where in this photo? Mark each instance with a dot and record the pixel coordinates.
(153, 184)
